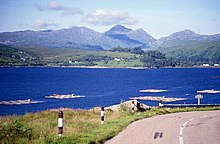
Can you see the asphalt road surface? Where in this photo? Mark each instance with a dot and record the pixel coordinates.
(201, 127)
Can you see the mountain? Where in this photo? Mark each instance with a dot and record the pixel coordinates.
(142, 36)
(184, 43)
(188, 44)
(130, 36)
(75, 37)
(118, 29)
(189, 36)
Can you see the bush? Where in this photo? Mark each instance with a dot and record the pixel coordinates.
(14, 130)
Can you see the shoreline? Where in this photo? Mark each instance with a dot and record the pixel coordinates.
(112, 67)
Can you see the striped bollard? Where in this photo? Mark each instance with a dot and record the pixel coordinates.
(132, 107)
(102, 115)
(60, 123)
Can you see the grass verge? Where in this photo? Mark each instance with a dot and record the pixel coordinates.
(80, 126)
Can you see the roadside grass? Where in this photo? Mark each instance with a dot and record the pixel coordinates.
(80, 126)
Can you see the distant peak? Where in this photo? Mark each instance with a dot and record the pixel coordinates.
(141, 30)
(187, 31)
(118, 29)
(118, 26)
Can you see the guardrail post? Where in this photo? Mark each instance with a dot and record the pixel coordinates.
(102, 115)
(132, 107)
(199, 96)
(60, 123)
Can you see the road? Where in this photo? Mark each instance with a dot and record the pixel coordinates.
(201, 127)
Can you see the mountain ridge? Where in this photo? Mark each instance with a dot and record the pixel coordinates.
(85, 38)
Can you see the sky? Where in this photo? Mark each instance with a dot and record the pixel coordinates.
(159, 18)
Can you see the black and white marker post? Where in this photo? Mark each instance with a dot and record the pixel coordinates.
(60, 123)
(102, 115)
(132, 107)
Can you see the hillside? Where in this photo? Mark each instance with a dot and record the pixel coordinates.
(117, 57)
(189, 45)
(207, 49)
(72, 57)
(10, 56)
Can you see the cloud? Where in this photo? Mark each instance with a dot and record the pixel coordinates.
(56, 6)
(43, 24)
(72, 11)
(105, 17)
(53, 5)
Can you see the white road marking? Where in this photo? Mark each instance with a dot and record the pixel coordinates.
(181, 132)
(181, 140)
(184, 125)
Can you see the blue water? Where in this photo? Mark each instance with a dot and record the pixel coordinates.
(101, 87)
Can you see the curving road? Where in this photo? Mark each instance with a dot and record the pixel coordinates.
(201, 127)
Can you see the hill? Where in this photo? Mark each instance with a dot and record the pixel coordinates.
(139, 36)
(73, 57)
(189, 45)
(10, 56)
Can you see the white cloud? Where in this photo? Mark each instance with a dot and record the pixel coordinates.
(72, 11)
(53, 5)
(109, 17)
(43, 24)
(56, 6)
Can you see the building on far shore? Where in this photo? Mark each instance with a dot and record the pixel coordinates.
(205, 65)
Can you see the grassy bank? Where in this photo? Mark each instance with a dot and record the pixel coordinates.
(80, 126)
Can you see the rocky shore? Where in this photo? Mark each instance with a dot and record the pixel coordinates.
(125, 104)
(68, 96)
(212, 91)
(18, 102)
(152, 91)
(155, 98)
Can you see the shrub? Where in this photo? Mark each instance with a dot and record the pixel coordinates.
(14, 130)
